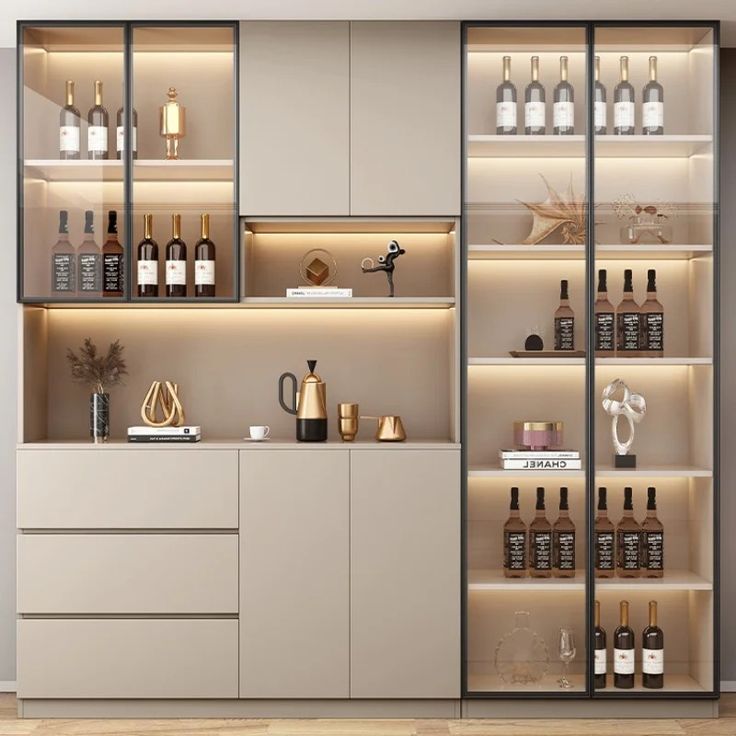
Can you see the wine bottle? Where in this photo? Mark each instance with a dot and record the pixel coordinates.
(535, 107)
(599, 644)
(563, 111)
(63, 260)
(600, 116)
(623, 102)
(69, 126)
(540, 541)
(652, 652)
(120, 132)
(204, 261)
(628, 317)
(506, 102)
(176, 261)
(623, 650)
(89, 260)
(651, 320)
(563, 540)
(113, 261)
(628, 540)
(604, 539)
(564, 321)
(97, 119)
(514, 541)
(605, 332)
(652, 106)
(652, 539)
(148, 261)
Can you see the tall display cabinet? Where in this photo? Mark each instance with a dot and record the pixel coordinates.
(514, 263)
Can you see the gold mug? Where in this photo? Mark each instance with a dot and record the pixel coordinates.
(347, 421)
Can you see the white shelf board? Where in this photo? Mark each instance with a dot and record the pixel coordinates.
(143, 170)
(405, 302)
(649, 252)
(479, 580)
(672, 580)
(491, 683)
(494, 471)
(512, 251)
(673, 683)
(508, 360)
(71, 170)
(653, 471)
(654, 361)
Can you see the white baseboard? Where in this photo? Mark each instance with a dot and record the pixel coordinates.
(8, 686)
(728, 686)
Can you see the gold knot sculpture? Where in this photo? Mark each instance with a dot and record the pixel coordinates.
(165, 397)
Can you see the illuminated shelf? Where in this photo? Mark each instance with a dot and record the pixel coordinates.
(494, 471)
(523, 252)
(525, 361)
(670, 252)
(672, 684)
(492, 683)
(672, 580)
(480, 580)
(143, 170)
(79, 170)
(653, 471)
(399, 302)
(653, 361)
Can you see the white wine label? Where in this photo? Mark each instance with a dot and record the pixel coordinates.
(176, 273)
(563, 114)
(604, 331)
(628, 331)
(653, 327)
(540, 547)
(514, 545)
(652, 549)
(627, 547)
(505, 114)
(600, 661)
(204, 273)
(652, 115)
(148, 273)
(63, 272)
(599, 114)
(564, 333)
(623, 114)
(535, 114)
(652, 661)
(623, 661)
(97, 138)
(121, 138)
(90, 273)
(69, 138)
(604, 551)
(563, 544)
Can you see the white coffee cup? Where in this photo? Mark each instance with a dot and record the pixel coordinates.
(259, 432)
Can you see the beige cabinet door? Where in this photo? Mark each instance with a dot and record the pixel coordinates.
(294, 118)
(405, 118)
(294, 574)
(405, 574)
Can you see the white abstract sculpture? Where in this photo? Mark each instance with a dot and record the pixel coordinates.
(632, 407)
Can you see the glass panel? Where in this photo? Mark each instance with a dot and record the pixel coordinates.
(73, 79)
(525, 232)
(185, 112)
(654, 240)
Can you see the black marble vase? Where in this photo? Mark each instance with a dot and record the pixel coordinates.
(99, 417)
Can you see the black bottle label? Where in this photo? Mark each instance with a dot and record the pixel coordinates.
(627, 544)
(628, 329)
(540, 545)
(564, 333)
(62, 272)
(564, 550)
(514, 545)
(604, 551)
(112, 272)
(89, 272)
(604, 331)
(652, 550)
(653, 338)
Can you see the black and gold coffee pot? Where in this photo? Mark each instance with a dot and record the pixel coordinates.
(309, 405)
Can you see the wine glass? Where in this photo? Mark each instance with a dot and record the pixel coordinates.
(567, 654)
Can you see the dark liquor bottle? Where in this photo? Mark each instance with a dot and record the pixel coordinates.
(506, 102)
(599, 643)
(652, 106)
(540, 541)
(514, 541)
(563, 111)
(605, 320)
(628, 316)
(652, 652)
(628, 540)
(113, 260)
(148, 261)
(623, 102)
(604, 539)
(623, 650)
(535, 107)
(652, 539)
(120, 132)
(204, 261)
(69, 126)
(97, 119)
(563, 540)
(600, 116)
(89, 260)
(651, 320)
(63, 261)
(176, 261)
(564, 321)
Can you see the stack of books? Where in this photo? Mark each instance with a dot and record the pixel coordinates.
(165, 434)
(318, 292)
(540, 460)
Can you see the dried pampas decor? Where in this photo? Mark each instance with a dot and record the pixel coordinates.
(558, 212)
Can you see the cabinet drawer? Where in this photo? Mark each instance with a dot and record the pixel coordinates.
(127, 573)
(124, 658)
(128, 489)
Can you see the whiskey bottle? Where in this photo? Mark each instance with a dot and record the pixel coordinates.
(514, 541)
(563, 110)
(652, 320)
(623, 102)
(652, 652)
(147, 261)
(535, 108)
(97, 120)
(540, 541)
(506, 102)
(176, 261)
(564, 321)
(563, 540)
(89, 260)
(652, 539)
(623, 650)
(627, 320)
(63, 260)
(628, 540)
(204, 261)
(652, 106)
(599, 643)
(69, 126)
(600, 117)
(605, 332)
(604, 536)
(113, 261)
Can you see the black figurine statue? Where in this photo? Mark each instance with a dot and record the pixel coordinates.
(385, 263)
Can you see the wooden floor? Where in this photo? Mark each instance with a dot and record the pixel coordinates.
(11, 726)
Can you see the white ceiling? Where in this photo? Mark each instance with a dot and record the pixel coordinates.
(723, 10)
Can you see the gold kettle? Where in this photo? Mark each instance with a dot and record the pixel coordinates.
(309, 405)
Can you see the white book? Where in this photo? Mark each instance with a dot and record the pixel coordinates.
(168, 431)
(539, 454)
(319, 293)
(542, 464)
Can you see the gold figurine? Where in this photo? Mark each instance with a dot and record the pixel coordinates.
(173, 124)
(167, 398)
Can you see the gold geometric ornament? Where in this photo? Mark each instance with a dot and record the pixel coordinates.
(558, 212)
(167, 399)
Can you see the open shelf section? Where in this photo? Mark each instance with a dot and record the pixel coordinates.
(672, 580)
(479, 580)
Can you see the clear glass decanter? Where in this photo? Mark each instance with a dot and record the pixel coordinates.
(521, 655)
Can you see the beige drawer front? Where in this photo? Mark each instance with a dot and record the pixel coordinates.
(127, 573)
(128, 489)
(127, 658)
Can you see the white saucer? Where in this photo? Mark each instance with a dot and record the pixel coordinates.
(250, 439)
